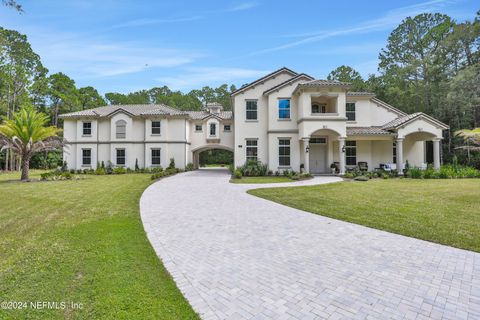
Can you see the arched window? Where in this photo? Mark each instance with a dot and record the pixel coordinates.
(121, 129)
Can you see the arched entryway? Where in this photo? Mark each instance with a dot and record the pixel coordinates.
(212, 155)
(321, 149)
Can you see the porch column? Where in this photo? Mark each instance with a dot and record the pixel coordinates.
(400, 155)
(306, 163)
(436, 153)
(341, 154)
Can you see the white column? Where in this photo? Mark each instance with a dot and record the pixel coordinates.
(341, 154)
(306, 163)
(436, 153)
(400, 155)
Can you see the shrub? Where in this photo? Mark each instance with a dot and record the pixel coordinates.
(154, 170)
(361, 178)
(295, 177)
(348, 175)
(253, 168)
(66, 175)
(170, 171)
(189, 167)
(100, 171)
(172, 163)
(137, 168)
(231, 168)
(237, 174)
(277, 173)
(270, 173)
(119, 170)
(157, 175)
(415, 173)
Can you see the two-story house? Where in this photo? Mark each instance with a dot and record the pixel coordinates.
(287, 120)
(146, 135)
(290, 120)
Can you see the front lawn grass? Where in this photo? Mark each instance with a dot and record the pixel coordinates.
(441, 211)
(265, 179)
(83, 242)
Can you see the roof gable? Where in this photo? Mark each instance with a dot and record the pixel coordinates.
(263, 79)
(404, 120)
(298, 77)
(387, 106)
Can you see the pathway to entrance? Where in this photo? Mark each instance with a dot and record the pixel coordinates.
(235, 256)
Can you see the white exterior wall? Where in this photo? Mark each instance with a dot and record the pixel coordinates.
(247, 129)
(369, 113)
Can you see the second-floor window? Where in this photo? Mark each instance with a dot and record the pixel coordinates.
(121, 129)
(251, 110)
(87, 128)
(213, 129)
(227, 127)
(350, 111)
(155, 127)
(120, 157)
(284, 109)
(198, 127)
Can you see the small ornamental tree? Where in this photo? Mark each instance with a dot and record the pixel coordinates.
(26, 134)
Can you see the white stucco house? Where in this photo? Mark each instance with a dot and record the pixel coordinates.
(289, 121)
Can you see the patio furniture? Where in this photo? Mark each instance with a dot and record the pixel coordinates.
(362, 166)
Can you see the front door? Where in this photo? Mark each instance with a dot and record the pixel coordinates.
(318, 155)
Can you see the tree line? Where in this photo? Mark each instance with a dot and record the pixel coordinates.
(430, 63)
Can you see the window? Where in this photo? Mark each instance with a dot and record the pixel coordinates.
(155, 157)
(394, 152)
(252, 149)
(86, 157)
(316, 140)
(121, 126)
(351, 153)
(251, 109)
(155, 127)
(319, 108)
(87, 128)
(350, 111)
(284, 109)
(198, 127)
(120, 157)
(284, 152)
(213, 129)
(227, 127)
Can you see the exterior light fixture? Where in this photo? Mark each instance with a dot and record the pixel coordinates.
(343, 149)
(307, 149)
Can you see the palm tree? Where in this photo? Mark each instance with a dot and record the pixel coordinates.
(26, 134)
(470, 137)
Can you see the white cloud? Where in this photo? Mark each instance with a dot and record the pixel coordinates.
(389, 20)
(83, 56)
(147, 22)
(196, 77)
(242, 6)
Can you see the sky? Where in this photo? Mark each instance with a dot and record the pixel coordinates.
(124, 46)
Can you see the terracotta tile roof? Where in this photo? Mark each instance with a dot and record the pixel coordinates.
(400, 120)
(199, 115)
(328, 83)
(366, 131)
(360, 93)
(133, 109)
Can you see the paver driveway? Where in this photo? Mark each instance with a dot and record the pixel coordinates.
(235, 256)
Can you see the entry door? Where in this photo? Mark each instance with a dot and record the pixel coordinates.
(318, 158)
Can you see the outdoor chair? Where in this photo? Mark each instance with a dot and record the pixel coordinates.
(362, 166)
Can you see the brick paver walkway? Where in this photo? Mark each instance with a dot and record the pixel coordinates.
(235, 256)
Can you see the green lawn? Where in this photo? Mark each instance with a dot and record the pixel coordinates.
(83, 242)
(442, 211)
(267, 179)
